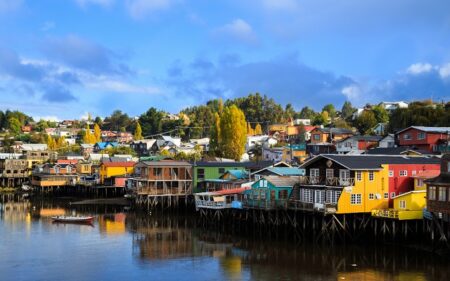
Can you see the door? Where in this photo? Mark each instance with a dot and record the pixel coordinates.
(344, 177)
(314, 176)
(319, 198)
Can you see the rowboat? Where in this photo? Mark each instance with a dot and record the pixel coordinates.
(72, 219)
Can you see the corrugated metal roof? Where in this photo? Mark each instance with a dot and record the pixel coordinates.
(443, 130)
(371, 162)
(287, 171)
(281, 181)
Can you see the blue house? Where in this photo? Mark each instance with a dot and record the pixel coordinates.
(270, 192)
(104, 145)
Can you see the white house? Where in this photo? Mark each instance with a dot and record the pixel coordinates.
(306, 122)
(391, 106)
(274, 154)
(387, 141)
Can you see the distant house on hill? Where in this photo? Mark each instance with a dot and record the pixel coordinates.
(432, 139)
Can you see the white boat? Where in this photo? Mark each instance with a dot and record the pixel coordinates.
(73, 219)
(26, 187)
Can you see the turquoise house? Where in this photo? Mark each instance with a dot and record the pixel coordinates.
(270, 192)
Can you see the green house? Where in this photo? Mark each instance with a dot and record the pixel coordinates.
(270, 192)
(204, 171)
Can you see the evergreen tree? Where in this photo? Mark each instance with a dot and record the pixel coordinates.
(138, 132)
(258, 130)
(97, 133)
(347, 110)
(14, 125)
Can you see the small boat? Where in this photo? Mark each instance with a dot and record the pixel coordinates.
(26, 187)
(72, 219)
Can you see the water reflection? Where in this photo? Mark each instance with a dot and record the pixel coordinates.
(130, 245)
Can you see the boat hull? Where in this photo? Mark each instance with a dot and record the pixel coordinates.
(73, 219)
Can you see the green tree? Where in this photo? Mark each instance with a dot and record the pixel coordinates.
(138, 132)
(329, 108)
(14, 125)
(381, 114)
(365, 122)
(234, 132)
(289, 112)
(307, 113)
(151, 121)
(347, 110)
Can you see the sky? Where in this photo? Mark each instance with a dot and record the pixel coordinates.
(60, 59)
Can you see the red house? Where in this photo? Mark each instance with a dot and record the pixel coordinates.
(432, 139)
(401, 176)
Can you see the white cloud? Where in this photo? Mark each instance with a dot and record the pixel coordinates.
(285, 5)
(103, 3)
(111, 85)
(48, 25)
(352, 92)
(238, 29)
(139, 9)
(419, 68)
(444, 71)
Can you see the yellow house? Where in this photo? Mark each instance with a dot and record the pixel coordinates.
(294, 152)
(112, 169)
(84, 167)
(346, 184)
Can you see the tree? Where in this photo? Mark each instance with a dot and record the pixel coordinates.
(98, 120)
(61, 142)
(289, 111)
(381, 114)
(258, 130)
(307, 113)
(14, 125)
(347, 110)
(88, 137)
(325, 116)
(97, 133)
(138, 132)
(151, 121)
(51, 143)
(250, 131)
(234, 132)
(117, 120)
(366, 121)
(216, 136)
(330, 109)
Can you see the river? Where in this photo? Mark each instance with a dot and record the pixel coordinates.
(123, 244)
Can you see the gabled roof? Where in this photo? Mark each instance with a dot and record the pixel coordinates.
(119, 164)
(396, 151)
(103, 145)
(370, 162)
(238, 174)
(164, 163)
(442, 130)
(279, 181)
(249, 164)
(286, 171)
(363, 138)
(335, 130)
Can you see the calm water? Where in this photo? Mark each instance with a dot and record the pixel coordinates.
(123, 245)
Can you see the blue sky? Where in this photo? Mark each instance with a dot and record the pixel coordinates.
(64, 58)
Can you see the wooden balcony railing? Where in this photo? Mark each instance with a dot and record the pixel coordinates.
(313, 180)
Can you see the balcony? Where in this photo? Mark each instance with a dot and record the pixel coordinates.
(338, 182)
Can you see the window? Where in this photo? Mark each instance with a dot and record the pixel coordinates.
(221, 170)
(201, 174)
(403, 173)
(371, 176)
(392, 195)
(407, 137)
(316, 137)
(442, 193)
(306, 195)
(257, 177)
(414, 172)
(329, 173)
(391, 173)
(419, 182)
(432, 193)
(358, 176)
(371, 196)
(263, 195)
(314, 176)
(402, 204)
(421, 136)
(386, 195)
(282, 194)
(355, 199)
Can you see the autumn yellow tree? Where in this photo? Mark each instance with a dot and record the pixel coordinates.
(250, 131)
(88, 136)
(233, 129)
(97, 133)
(216, 136)
(51, 144)
(60, 143)
(138, 132)
(258, 130)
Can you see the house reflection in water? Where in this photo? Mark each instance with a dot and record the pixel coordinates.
(112, 224)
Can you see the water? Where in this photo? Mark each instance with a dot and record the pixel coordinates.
(125, 245)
